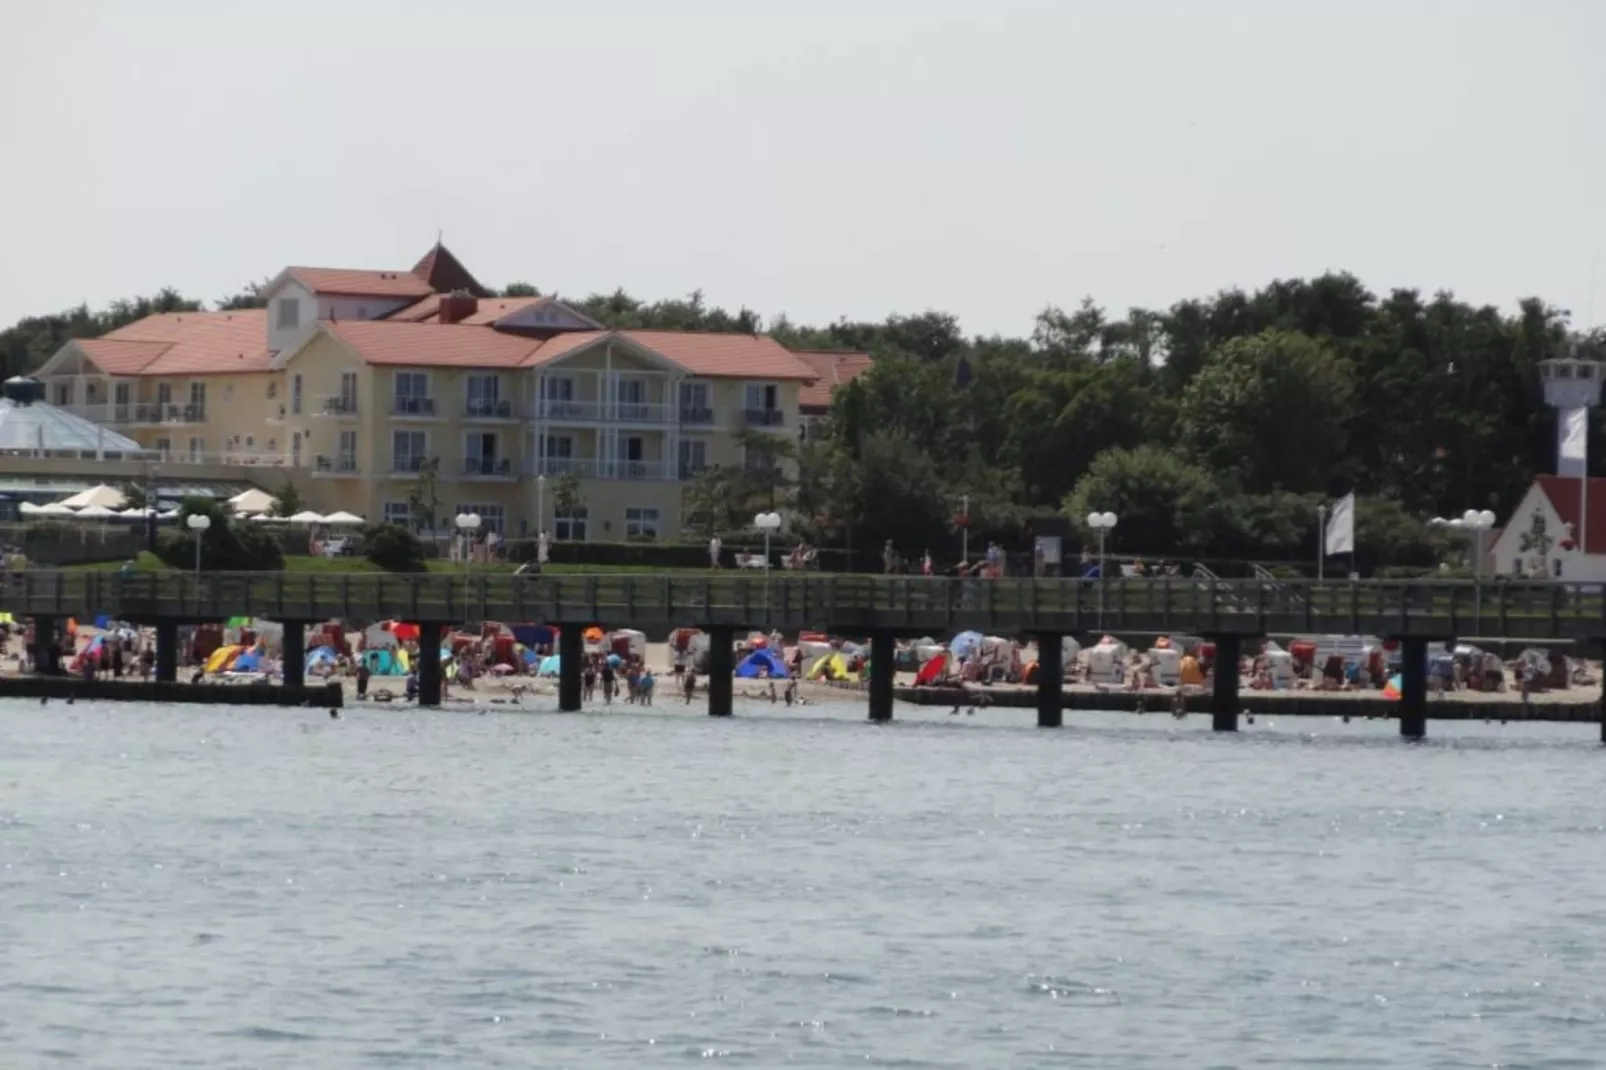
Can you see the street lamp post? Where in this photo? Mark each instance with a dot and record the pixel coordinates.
(468, 524)
(1102, 524)
(769, 524)
(1476, 523)
(198, 523)
(540, 504)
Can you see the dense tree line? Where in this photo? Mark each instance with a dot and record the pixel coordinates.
(1214, 428)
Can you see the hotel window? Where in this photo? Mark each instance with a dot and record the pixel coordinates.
(399, 513)
(412, 394)
(295, 395)
(197, 448)
(164, 446)
(560, 447)
(693, 457)
(484, 396)
(348, 392)
(570, 527)
(631, 397)
(164, 394)
(289, 316)
(63, 393)
(346, 457)
(641, 523)
(482, 454)
(407, 450)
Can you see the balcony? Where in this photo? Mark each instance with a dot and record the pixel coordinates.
(763, 417)
(637, 412)
(588, 468)
(413, 407)
(487, 409)
(696, 417)
(487, 468)
(407, 464)
(551, 409)
(692, 469)
(341, 465)
(341, 406)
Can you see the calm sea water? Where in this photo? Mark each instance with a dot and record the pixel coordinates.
(216, 887)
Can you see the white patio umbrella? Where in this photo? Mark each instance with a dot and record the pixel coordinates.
(137, 513)
(269, 518)
(253, 501)
(54, 509)
(101, 495)
(28, 509)
(343, 517)
(171, 514)
(307, 516)
(97, 512)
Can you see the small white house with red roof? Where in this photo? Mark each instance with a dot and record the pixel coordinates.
(1543, 536)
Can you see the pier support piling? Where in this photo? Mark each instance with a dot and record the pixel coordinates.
(1224, 691)
(44, 646)
(721, 670)
(166, 651)
(1050, 680)
(883, 665)
(429, 662)
(1413, 688)
(295, 653)
(571, 666)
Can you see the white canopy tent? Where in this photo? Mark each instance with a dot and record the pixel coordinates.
(137, 513)
(307, 516)
(96, 512)
(101, 495)
(54, 509)
(27, 509)
(253, 501)
(343, 517)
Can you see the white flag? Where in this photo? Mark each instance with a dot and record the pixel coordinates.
(1340, 534)
(1575, 444)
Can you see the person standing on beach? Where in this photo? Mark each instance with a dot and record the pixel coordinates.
(646, 686)
(608, 681)
(363, 676)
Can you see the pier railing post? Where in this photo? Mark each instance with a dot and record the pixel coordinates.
(1050, 680)
(295, 653)
(721, 670)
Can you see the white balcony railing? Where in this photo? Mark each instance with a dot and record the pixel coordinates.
(591, 468)
(139, 412)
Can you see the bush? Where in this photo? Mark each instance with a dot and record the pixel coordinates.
(393, 548)
(225, 547)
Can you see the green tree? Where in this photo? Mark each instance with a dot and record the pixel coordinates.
(393, 548)
(567, 495)
(423, 503)
(520, 289)
(225, 545)
(1165, 504)
(287, 500)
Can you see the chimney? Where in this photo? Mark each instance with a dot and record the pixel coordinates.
(458, 306)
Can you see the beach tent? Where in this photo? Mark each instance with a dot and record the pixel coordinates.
(965, 644)
(102, 495)
(549, 666)
(253, 501)
(223, 657)
(829, 667)
(762, 662)
(321, 656)
(535, 634)
(250, 661)
(933, 669)
(386, 662)
(1393, 689)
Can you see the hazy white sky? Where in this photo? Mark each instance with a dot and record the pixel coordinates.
(819, 158)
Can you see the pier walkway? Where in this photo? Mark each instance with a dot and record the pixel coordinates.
(882, 608)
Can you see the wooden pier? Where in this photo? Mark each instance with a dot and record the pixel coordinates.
(880, 608)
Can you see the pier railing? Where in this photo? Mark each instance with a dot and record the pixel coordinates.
(913, 605)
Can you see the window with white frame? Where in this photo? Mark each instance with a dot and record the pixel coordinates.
(164, 446)
(482, 454)
(197, 448)
(412, 394)
(631, 397)
(641, 523)
(484, 395)
(693, 457)
(295, 395)
(346, 455)
(289, 314)
(571, 526)
(348, 391)
(164, 394)
(492, 517)
(400, 513)
(761, 397)
(408, 450)
(557, 388)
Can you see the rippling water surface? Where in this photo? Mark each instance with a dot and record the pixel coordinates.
(217, 887)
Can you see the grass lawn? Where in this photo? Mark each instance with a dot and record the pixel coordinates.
(149, 562)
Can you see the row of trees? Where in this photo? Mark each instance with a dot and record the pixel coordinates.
(1214, 428)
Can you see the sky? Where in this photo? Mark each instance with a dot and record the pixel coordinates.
(822, 159)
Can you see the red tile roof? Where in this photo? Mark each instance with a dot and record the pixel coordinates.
(724, 356)
(491, 309)
(432, 345)
(445, 273)
(185, 343)
(1564, 493)
(834, 369)
(342, 282)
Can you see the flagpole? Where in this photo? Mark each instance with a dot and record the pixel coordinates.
(1321, 543)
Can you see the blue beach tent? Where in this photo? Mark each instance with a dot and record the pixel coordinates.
(761, 662)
